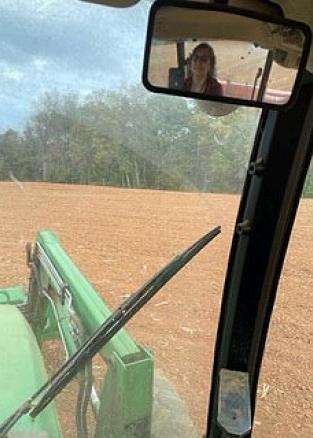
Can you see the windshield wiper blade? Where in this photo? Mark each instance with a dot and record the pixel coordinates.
(104, 333)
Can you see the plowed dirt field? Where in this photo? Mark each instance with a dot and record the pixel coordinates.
(119, 238)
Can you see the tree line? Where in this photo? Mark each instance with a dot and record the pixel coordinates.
(129, 139)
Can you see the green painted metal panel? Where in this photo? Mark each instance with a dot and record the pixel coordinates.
(13, 295)
(127, 393)
(126, 398)
(22, 372)
(90, 307)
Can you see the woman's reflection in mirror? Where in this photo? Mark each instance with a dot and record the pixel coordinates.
(201, 67)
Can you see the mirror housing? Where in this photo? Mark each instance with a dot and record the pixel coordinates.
(114, 3)
(226, 54)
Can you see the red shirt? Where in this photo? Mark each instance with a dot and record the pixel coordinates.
(212, 86)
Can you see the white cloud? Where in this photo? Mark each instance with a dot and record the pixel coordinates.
(11, 74)
(40, 64)
(66, 45)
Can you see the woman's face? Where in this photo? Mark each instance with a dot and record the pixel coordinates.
(200, 63)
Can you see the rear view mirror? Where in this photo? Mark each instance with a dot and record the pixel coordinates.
(217, 52)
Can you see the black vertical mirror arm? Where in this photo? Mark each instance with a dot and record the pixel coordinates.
(265, 76)
(256, 79)
(181, 56)
(264, 222)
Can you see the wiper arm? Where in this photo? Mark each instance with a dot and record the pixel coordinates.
(104, 333)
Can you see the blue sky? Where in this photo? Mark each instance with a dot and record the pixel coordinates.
(65, 45)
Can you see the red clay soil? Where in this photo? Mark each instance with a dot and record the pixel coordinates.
(119, 238)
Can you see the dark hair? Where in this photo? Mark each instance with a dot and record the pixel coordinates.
(206, 46)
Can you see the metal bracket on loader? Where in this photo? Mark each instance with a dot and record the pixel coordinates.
(99, 338)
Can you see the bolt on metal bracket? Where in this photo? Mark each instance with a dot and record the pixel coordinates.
(234, 405)
(256, 167)
(243, 228)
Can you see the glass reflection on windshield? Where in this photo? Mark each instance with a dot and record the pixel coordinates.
(126, 180)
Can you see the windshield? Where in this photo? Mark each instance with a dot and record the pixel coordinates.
(126, 180)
